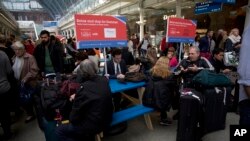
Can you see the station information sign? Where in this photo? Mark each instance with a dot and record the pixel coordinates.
(180, 30)
(49, 23)
(225, 1)
(207, 7)
(100, 31)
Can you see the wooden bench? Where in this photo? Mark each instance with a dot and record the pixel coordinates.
(129, 114)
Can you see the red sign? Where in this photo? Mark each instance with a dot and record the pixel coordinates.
(180, 30)
(100, 31)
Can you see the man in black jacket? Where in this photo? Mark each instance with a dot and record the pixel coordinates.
(116, 67)
(217, 61)
(192, 65)
(49, 55)
(92, 108)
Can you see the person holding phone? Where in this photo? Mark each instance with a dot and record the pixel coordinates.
(192, 65)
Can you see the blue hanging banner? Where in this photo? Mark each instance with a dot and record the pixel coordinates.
(49, 23)
(225, 1)
(207, 7)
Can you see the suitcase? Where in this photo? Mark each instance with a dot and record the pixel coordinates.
(215, 108)
(189, 124)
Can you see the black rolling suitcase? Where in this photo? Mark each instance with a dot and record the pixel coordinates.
(215, 108)
(189, 124)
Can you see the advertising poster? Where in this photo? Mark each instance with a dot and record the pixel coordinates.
(180, 30)
(97, 31)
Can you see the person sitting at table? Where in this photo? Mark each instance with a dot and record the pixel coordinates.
(116, 68)
(162, 82)
(192, 65)
(92, 107)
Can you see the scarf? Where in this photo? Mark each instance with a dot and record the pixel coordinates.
(17, 67)
(234, 39)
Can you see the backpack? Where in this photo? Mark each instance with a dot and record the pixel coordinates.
(69, 86)
(135, 76)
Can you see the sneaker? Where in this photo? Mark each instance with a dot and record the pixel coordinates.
(165, 122)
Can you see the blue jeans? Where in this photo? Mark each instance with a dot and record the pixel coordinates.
(245, 112)
(143, 53)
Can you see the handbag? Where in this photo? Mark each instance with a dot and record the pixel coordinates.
(26, 94)
(206, 78)
(231, 59)
(135, 76)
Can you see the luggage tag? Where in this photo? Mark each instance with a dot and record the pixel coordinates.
(189, 92)
(186, 91)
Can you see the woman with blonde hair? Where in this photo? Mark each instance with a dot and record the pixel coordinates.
(161, 83)
(160, 69)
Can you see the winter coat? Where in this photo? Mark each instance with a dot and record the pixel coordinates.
(56, 55)
(163, 89)
(92, 108)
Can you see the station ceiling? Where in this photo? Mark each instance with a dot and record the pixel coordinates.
(59, 8)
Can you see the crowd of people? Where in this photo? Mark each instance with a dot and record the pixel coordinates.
(24, 63)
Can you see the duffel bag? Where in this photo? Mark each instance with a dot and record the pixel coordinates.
(206, 78)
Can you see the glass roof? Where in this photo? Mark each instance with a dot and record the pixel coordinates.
(20, 5)
(56, 8)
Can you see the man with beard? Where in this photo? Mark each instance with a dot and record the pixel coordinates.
(49, 55)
